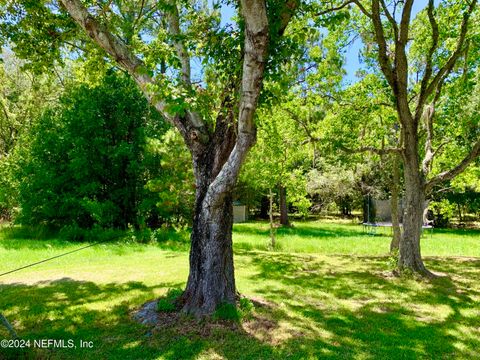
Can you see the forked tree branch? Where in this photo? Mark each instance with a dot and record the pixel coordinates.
(343, 5)
(428, 62)
(390, 18)
(256, 43)
(447, 68)
(383, 59)
(254, 13)
(401, 63)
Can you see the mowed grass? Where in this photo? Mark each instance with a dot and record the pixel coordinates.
(348, 238)
(326, 292)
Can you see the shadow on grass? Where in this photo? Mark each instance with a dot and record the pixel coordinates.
(378, 315)
(69, 310)
(335, 307)
(28, 237)
(319, 231)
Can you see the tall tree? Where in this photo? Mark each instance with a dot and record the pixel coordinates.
(417, 57)
(155, 42)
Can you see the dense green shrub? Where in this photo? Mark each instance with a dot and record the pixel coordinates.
(84, 163)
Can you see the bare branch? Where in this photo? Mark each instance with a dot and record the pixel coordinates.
(401, 62)
(139, 16)
(336, 8)
(444, 71)
(390, 18)
(182, 53)
(383, 58)
(450, 174)
(440, 147)
(345, 4)
(428, 62)
(405, 22)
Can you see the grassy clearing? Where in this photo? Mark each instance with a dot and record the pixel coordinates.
(326, 293)
(349, 239)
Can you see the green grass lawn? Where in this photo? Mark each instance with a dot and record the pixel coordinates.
(327, 292)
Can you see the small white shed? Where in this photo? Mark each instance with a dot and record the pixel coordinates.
(239, 213)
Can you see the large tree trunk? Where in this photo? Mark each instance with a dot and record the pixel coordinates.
(211, 280)
(264, 206)
(395, 243)
(410, 256)
(283, 206)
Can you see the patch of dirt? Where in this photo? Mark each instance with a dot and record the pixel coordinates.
(256, 324)
(261, 328)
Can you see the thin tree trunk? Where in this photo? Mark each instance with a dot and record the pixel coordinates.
(272, 225)
(460, 220)
(395, 243)
(283, 206)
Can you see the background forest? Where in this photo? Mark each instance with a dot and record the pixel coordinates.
(81, 149)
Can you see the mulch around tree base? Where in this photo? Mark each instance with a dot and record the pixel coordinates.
(157, 321)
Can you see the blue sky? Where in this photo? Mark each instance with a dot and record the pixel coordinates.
(352, 55)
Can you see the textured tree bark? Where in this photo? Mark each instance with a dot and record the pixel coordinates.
(283, 206)
(410, 257)
(211, 281)
(395, 243)
(216, 168)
